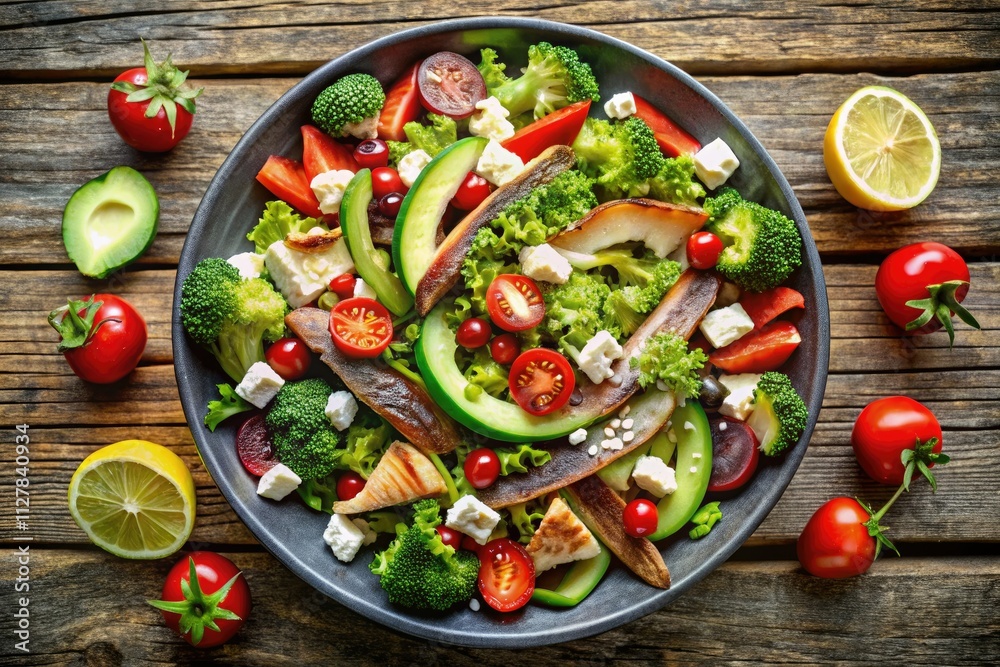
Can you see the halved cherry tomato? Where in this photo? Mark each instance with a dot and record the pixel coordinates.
(349, 485)
(672, 139)
(372, 154)
(481, 467)
(450, 85)
(640, 518)
(289, 357)
(286, 179)
(558, 128)
(506, 574)
(322, 153)
(765, 306)
(386, 180)
(402, 104)
(450, 537)
(343, 285)
(361, 327)
(473, 333)
(703, 250)
(471, 193)
(514, 302)
(760, 350)
(541, 381)
(505, 348)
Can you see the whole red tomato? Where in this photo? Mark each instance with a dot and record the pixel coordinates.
(148, 108)
(102, 338)
(218, 595)
(835, 543)
(921, 285)
(887, 427)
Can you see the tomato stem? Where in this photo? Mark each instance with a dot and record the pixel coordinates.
(197, 610)
(941, 303)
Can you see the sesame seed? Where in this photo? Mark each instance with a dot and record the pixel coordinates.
(615, 423)
(593, 450)
(474, 604)
(627, 424)
(688, 426)
(628, 437)
(624, 411)
(696, 455)
(694, 468)
(605, 444)
(723, 426)
(617, 444)
(610, 432)
(671, 436)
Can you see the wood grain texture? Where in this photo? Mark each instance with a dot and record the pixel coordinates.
(67, 39)
(90, 610)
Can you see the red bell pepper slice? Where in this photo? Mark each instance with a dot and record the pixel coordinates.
(322, 153)
(672, 139)
(286, 179)
(760, 350)
(558, 128)
(765, 306)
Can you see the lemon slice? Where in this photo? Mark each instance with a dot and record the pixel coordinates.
(134, 499)
(881, 152)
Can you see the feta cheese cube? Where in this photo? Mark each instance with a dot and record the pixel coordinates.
(361, 288)
(739, 403)
(597, 356)
(329, 188)
(498, 165)
(725, 325)
(490, 120)
(343, 538)
(715, 163)
(259, 385)
(278, 482)
(652, 474)
(578, 436)
(341, 408)
(411, 165)
(621, 105)
(542, 262)
(473, 518)
(250, 264)
(303, 276)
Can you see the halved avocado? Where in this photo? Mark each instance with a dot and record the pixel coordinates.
(110, 221)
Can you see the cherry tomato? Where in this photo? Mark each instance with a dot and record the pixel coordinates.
(206, 573)
(254, 447)
(559, 127)
(106, 342)
(482, 467)
(470, 544)
(361, 327)
(473, 333)
(286, 179)
(322, 153)
(450, 85)
(154, 133)
(343, 285)
(928, 272)
(763, 307)
(761, 350)
(390, 204)
(402, 104)
(450, 536)
(506, 574)
(541, 381)
(371, 154)
(289, 357)
(471, 193)
(703, 250)
(505, 348)
(386, 180)
(835, 542)
(514, 302)
(884, 429)
(672, 139)
(640, 517)
(349, 485)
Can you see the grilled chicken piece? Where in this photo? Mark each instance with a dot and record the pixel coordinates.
(561, 538)
(402, 475)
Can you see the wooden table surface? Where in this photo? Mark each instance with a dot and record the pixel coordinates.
(782, 66)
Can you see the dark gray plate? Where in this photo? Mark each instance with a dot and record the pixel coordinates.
(291, 532)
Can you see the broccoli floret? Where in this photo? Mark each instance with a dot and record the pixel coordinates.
(277, 222)
(573, 311)
(434, 138)
(350, 106)
(418, 570)
(304, 440)
(779, 415)
(623, 156)
(666, 358)
(763, 246)
(229, 316)
(644, 281)
(675, 182)
(230, 404)
(554, 78)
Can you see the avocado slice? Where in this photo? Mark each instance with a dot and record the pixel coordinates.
(110, 221)
(693, 469)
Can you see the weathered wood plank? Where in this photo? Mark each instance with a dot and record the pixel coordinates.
(91, 37)
(56, 127)
(808, 620)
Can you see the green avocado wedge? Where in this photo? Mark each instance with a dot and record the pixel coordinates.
(110, 221)
(693, 469)
(578, 582)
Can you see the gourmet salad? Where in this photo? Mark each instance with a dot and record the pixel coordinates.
(548, 331)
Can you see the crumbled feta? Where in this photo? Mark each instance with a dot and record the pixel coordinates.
(578, 436)
(542, 262)
(341, 408)
(652, 474)
(739, 403)
(278, 482)
(725, 325)
(688, 426)
(343, 537)
(303, 276)
(259, 385)
(597, 356)
(366, 129)
(498, 165)
(250, 264)
(723, 426)
(474, 604)
(366, 530)
(696, 455)
(490, 120)
(715, 163)
(473, 518)
(361, 288)
(411, 165)
(621, 105)
(329, 188)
